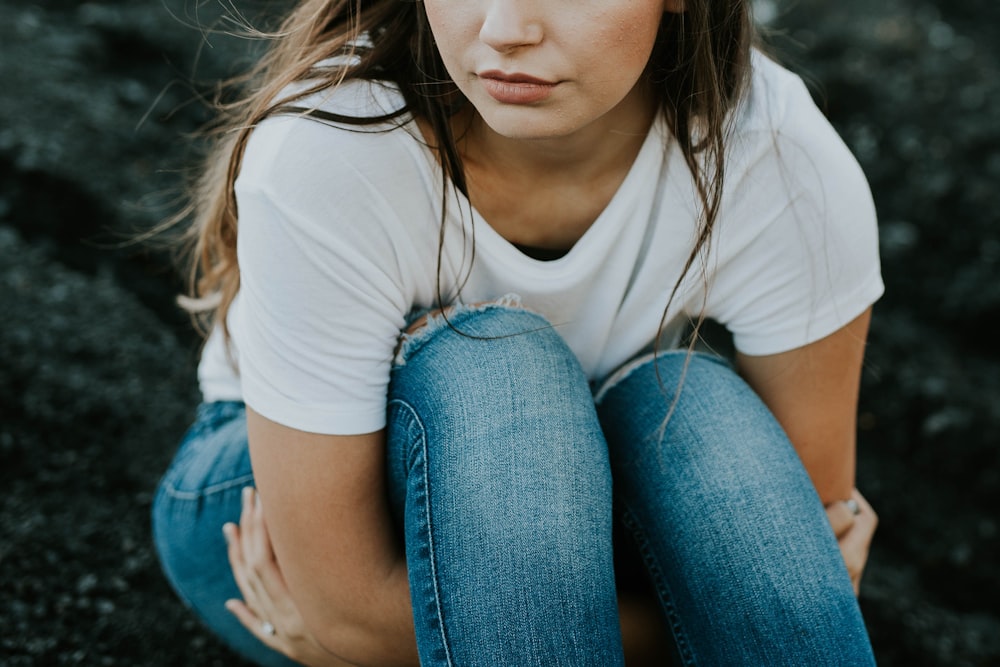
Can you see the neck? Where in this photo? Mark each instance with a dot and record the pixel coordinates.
(547, 192)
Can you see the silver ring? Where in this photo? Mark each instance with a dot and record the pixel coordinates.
(853, 505)
(267, 628)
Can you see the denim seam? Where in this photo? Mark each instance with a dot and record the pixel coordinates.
(179, 494)
(427, 526)
(659, 583)
(411, 342)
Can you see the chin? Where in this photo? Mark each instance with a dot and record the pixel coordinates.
(530, 124)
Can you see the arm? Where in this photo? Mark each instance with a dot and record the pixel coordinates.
(813, 392)
(332, 535)
(266, 609)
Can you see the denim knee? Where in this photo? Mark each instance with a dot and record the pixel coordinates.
(500, 375)
(730, 527)
(498, 365)
(686, 395)
(499, 468)
(502, 318)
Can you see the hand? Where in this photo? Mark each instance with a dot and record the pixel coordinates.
(267, 609)
(854, 522)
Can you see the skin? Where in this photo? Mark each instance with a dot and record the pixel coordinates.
(566, 155)
(813, 392)
(339, 560)
(595, 91)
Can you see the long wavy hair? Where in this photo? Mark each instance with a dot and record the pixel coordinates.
(698, 70)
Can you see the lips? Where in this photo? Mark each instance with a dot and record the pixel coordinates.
(515, 88)
(497, 75)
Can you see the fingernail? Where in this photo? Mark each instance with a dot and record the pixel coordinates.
(247, 494)
(227, 531)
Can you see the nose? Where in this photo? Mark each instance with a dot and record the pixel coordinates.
(510, 24)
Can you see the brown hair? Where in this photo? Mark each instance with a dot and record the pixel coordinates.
(698, 69)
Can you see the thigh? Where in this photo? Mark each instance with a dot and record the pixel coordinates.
(197, 495)
(726, 519)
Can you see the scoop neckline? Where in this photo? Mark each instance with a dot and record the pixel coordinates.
(490, 241)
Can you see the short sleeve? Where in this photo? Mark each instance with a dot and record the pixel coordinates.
(322, 297)
(797, 248)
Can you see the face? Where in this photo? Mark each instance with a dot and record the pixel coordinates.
(536, 69)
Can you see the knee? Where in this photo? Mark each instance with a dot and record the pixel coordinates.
(496, 392)
(668, 373)
(690, 407)
(675, 383)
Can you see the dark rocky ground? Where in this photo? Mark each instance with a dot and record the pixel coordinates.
(97, 367)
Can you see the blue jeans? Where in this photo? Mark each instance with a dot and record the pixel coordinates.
(500, 469)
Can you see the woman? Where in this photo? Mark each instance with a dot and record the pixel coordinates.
(469, 236)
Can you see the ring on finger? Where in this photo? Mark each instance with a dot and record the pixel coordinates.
(853, 506)
(267, 628)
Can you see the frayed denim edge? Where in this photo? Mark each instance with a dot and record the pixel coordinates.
(410, 342)
(630, 367)
(623, 372)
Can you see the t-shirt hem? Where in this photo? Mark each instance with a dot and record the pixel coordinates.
(219, 391)
(819, 327)
(353, 420)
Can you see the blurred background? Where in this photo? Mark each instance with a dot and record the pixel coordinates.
(98, 101)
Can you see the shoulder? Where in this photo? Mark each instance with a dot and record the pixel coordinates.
(783, 146)
(776, 98)
(796, 242)
(303, 152)
(341, 194)
(779, 121)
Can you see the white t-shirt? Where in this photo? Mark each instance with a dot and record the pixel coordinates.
(338, 242)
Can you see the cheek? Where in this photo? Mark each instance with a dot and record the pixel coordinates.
(446, 21)
(629, 38)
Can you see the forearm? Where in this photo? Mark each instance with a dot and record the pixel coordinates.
(354, 595)
(831, 469)
(813, 392)
(334, 540)
(376, 629)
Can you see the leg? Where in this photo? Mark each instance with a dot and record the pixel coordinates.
(730, 528)
(501, 475)
(199, 493)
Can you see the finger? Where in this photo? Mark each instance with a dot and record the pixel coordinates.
(242, 573)
(244, 533)
(246, 513)
(258, 537)
(237, 563)
(855, 544)
(270, 597)
(253, 623)
(255, 565)
(864, 507)
(841, 517)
